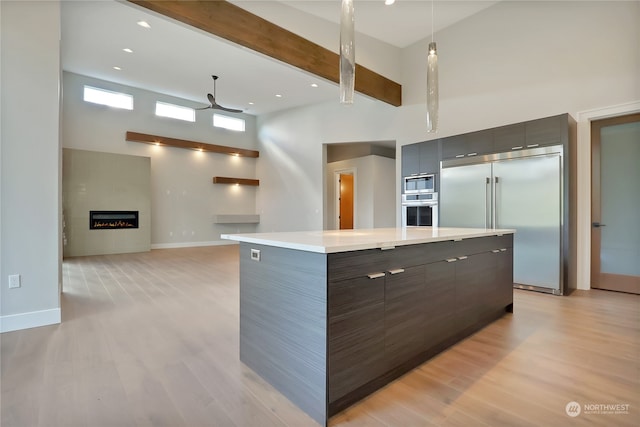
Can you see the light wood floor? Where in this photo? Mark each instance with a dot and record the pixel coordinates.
(152, 340)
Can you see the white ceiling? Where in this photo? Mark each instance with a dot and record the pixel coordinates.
(177, 60)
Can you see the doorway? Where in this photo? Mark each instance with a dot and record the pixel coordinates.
(345, 187)
(615, 204)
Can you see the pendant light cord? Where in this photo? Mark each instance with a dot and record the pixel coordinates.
(432, 21)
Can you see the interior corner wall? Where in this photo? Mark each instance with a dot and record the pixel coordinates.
(384, 191)
(184, 199)
(30, 193)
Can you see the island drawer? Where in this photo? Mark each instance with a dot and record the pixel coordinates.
(478, 245)
(347, 265)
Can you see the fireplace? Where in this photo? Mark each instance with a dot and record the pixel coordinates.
(111, 220)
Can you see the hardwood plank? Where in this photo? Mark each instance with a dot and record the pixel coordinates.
(235, 24)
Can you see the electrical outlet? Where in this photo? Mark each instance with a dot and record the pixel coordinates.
(14, 281)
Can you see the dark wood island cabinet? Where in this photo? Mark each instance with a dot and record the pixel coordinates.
(328, 325)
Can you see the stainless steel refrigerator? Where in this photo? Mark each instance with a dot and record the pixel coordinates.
(521, 190)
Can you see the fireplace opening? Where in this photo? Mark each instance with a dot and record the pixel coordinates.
(111, 220)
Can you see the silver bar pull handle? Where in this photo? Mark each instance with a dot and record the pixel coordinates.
(396, 271)
(503, 249)
(496, 251)
(532, 145)
(376, 275)
(519, 147)
(462, 257)
(486, 202)
(451, 259)
(471, 154)
(494, 207)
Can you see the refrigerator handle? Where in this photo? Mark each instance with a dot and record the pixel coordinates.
(486, 202)
(494, 209)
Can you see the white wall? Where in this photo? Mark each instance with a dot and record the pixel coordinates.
(512, 62)
(384, 192)
(183, 197)
(30, 147)
(374, 186)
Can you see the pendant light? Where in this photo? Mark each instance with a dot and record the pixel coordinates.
(347, 53)
(432, 83)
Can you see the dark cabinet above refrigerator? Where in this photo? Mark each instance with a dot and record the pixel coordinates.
(468, 145)
(421, 158)
(425, 157)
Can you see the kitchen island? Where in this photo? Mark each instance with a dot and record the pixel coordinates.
(328, 317)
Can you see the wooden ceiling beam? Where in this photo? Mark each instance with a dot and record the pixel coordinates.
(235, 24)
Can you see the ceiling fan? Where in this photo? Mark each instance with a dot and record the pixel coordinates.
(212, 100)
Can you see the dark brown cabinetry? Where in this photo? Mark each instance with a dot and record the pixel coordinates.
(531, 134)
(411, 159)
(508, 138)
(421, 158)
(474, 289)
(467, 145)
(356, 333)
(547, 131)
(404, 314)
(406, 304)
(439, 299)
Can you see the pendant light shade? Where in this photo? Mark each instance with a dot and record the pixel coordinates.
(347, 53)
(432, 89)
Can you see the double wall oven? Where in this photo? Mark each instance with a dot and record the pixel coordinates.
(420, 201)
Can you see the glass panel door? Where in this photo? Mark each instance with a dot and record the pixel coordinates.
(616, 199)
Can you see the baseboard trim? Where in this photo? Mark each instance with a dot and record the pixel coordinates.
(190, 244)
(32, 319)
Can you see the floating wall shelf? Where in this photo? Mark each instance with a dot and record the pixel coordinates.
(243, 181)
(236, 219)
(193, 145)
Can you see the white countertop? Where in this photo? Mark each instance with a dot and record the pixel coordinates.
(330, 241)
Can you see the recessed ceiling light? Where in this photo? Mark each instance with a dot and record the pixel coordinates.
(314, 84)
(144, 24)
(251, 103)
(126, 49)
(117, 68)
(389, 2)
(278, 96)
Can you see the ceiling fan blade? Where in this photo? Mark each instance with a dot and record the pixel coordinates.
(211, 98)
(230, 110)
(203, 108)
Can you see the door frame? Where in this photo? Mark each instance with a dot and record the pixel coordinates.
(583, 183)
(336, 179)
